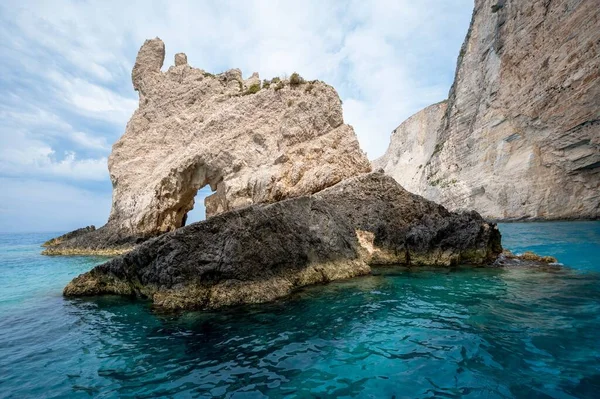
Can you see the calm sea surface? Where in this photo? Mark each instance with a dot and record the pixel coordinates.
(466, 333)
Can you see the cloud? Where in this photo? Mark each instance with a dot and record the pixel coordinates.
(71, 167)
(86, 140)
(65, 73)
(23, 156)
(33, 122)
(91, 100)
(62, 208)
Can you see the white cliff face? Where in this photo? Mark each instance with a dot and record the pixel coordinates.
(521, 134)
(411, 147)
(194, 129)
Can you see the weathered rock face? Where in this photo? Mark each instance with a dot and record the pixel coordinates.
(520, 137)
(411, 147)
(69, 236)
(263, 252)
(193, 129)
(250, 144)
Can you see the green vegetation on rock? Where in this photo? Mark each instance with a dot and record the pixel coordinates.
(255, 88)
(296, 79)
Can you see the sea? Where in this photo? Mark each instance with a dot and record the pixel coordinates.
(400, 333)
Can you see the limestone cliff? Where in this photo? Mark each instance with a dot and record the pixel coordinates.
(520, 135)
(412, 146)
(252, 142)
(263, 252)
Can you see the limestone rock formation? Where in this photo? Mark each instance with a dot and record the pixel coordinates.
(192, 129)
(520, 135)
(265, 251)
(411, 147)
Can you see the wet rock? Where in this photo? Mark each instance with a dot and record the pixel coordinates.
(69, 236)
(527, 259)
(100, 242)
(529, 256)
(262, 252)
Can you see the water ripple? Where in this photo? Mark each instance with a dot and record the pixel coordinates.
(418, 334)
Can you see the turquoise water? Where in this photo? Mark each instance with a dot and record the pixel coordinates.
(472, 333)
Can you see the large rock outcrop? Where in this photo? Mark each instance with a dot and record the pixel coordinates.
(263, 252)
(520, 134)
(251, 142)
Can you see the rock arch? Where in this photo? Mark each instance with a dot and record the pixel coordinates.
(251, 142)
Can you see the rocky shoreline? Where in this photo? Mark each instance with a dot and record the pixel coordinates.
(93, 242)
(263, 252)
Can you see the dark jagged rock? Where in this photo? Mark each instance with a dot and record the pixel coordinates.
(69, 236)
(91, 241)
(263, 252)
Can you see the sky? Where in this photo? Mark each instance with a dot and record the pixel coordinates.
(65, 79)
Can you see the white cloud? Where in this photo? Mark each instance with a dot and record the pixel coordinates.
(29, 157)
(31, 205)
(92, 100)
(50, 126)
(19, 115)
(71, 167)
(25, 151)
(88, 141)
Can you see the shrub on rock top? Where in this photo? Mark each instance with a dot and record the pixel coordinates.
(296, 79)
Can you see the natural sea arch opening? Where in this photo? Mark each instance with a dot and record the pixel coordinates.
(198, 212)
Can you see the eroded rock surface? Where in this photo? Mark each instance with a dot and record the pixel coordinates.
(69, 236)
(251, 144)
(520, 135)
(527, 259)
(263, 252)
(411, 147)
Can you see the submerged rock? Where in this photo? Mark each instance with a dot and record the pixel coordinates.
(526, 259)
(251, 144)
(519, 137)
(527, 256)
(263, 252)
